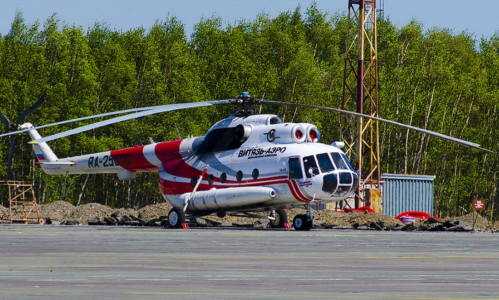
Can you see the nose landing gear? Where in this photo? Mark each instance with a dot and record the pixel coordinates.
(304, 222)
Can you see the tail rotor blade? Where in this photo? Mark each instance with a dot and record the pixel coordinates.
(30, 110)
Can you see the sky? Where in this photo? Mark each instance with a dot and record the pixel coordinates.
(477, 17)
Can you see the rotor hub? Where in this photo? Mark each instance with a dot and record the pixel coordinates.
(245, 101)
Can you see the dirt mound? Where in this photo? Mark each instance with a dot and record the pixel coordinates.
(480, 222)
(356, 219)
(82, 214)
(153, 215)
(4, 212)
(232, 220)
(353, 220)
(122, 212)
(56, 211)
(154, 211)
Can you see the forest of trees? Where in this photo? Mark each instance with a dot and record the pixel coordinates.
(434, 79)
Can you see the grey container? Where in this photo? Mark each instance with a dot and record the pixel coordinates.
(401, 193)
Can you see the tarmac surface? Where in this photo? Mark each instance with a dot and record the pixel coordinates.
(93, 262)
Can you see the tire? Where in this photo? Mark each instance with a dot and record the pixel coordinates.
(281, 217)
(299, 222)
(308, 224)
(176, 217)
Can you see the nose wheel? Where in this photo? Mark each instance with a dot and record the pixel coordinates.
(301, 222)
(304, 222)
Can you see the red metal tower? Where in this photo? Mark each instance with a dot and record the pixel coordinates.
(360, 89)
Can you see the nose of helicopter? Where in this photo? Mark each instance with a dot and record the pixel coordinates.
(340, 183)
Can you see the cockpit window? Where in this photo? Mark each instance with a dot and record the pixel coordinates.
(310, 166)
(338, 161)
(348, 163)
(325, 163)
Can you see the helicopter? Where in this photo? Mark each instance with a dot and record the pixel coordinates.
(244, 164)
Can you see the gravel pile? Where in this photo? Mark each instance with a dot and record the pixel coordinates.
(58, 211)
(62, 212)
(82, 214)
(480, 221)
(154, 212)
(4, 212)
(355, 220)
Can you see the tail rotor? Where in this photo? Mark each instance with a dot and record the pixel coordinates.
(11, 126)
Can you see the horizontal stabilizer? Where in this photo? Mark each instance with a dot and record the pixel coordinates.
(56, 163)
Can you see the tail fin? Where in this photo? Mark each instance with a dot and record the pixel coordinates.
(42, 150)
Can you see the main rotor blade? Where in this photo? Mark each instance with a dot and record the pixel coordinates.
(429, 132)
(30, 110)
(157, 110)
(82, 119)
(4, 120)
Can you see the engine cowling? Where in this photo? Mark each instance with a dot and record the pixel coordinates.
(282, 134)
(313, 134)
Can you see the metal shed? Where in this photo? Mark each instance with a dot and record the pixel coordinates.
(406, 193)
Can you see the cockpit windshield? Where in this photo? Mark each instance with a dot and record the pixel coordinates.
(348, 163)
(338, 161)
(325, 163)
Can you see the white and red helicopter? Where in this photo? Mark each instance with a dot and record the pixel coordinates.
(244, 164)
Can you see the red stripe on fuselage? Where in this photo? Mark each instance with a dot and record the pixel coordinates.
(168, 187)
(133, 159)
(301, 197)
(179, 168)
(175, 166)
(168, 150)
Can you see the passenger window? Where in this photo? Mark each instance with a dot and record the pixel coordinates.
(310, 166)
(338, 161)
(294, 168)
(325, 163)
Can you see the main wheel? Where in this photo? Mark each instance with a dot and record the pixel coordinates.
(281, 217)
(176, 217)
(300, 222)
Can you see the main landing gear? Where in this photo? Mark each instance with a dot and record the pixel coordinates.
(176, 217)
(278, 218)
(304, 222)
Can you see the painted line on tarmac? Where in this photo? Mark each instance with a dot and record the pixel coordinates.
(301, 296)
(430, 257)
(246, 257)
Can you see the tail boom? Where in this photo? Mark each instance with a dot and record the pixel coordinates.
(124, 162)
